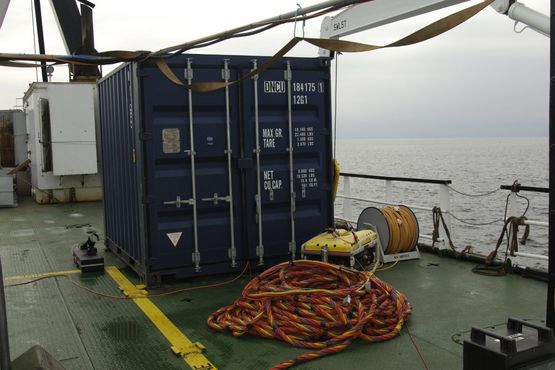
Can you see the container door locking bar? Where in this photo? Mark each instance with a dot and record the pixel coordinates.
(288, 77)
(229, 198)
(258, 196)
(196, 253)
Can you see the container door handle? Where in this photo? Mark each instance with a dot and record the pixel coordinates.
(178, 201)
(217, 199)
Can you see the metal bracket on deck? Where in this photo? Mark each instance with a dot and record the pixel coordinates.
(134, 291)
(193, 349)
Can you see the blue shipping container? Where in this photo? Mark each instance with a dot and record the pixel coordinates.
(187, 176)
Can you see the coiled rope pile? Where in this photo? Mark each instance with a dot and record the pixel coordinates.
(315, 305)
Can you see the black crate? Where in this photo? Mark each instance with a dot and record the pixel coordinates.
(518, 345)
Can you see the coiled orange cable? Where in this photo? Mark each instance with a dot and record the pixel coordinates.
(315, 305)
(412, 226)
(403, 229)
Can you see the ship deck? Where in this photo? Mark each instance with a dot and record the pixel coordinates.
(84, 330)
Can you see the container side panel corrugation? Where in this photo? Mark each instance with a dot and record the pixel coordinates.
(121, 196)
(183, 179)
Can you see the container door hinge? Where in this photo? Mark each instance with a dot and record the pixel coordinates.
(196, 260)
(144, 136)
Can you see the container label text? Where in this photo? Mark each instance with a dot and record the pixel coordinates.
(304, 136)
(270, 183)
(269, 136)
(274, 87)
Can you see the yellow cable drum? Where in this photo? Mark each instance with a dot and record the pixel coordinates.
(397, 227)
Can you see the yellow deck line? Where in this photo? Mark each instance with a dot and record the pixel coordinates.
(181, 345)
(41, 275)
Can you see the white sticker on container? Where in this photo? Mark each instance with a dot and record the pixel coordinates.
(171, 140)
(174, 237)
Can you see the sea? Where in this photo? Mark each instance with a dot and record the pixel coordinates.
(475, 166)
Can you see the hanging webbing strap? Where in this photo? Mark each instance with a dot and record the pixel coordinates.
(435, 29)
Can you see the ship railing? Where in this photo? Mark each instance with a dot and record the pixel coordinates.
(444, 200)
(515, 189)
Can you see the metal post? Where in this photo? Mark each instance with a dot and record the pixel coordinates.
(4, 344)
(512, 205)
(445, 205)
(389, 191)
(550, 311)
(258, 197)
(232, 250)
(40, 36)
(347, 203)
(288, 77)
(196, 253)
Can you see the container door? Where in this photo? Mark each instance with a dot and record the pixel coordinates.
(287, 117)
(192, 179)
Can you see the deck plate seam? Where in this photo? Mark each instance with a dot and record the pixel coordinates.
(60, 291)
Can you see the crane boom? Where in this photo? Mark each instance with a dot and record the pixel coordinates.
(3, 9)
(377, 13)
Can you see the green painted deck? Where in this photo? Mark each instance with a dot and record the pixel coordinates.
(86, 331)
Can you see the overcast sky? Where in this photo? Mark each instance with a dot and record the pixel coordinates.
(480, 79)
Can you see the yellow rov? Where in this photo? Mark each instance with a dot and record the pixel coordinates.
(342, 244)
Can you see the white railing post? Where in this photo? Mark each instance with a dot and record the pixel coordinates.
(347, 203)
(389, 191)
(445, 205)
